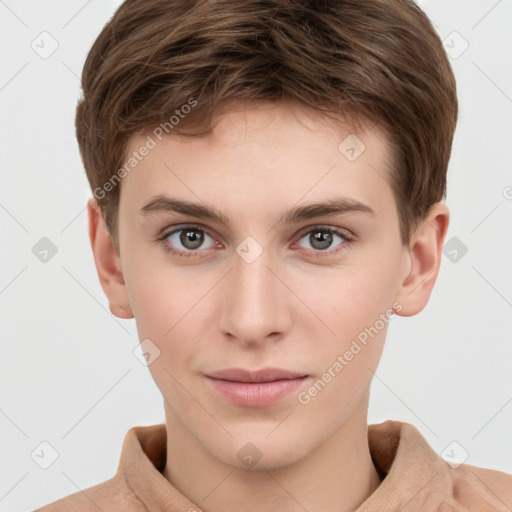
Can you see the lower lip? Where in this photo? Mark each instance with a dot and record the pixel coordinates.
(256, 394)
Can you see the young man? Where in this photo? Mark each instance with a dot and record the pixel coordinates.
(268, 181)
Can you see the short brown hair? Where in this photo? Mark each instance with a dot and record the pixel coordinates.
(376, 60)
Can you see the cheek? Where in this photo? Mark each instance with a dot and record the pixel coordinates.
(168, 310)
(156, 292)
(358, 311)
(166, 313)
(356, 306)
(350, 301)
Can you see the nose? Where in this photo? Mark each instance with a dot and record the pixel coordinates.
(255, 302)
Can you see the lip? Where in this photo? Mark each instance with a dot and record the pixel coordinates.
(255, 388)
(264, 375)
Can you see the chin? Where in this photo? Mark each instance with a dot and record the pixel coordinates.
(260, 453)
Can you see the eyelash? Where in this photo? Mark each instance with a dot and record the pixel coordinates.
(347, 240)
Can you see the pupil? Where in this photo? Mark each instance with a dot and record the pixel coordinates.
(191, 239)
(324, 238)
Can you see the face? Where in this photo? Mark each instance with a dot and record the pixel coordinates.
(258, 287)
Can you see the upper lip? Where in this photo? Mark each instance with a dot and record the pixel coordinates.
(264, 375)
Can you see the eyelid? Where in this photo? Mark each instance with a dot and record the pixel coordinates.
(345, 233)
(179, 227)
(169, 231)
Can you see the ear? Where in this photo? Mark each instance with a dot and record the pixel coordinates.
(108, 263)
(424, 253)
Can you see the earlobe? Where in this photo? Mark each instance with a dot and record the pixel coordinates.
(108, 263)
(424, 261)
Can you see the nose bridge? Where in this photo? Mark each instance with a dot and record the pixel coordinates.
(254, 306)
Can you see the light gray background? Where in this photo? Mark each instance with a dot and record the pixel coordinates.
(68, 374)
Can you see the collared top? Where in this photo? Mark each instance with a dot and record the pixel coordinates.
(414, 478)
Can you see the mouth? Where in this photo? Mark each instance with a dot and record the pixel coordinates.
(255, 388)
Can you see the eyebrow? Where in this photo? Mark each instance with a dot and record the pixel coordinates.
(337, 205)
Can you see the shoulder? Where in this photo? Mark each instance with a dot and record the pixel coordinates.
(482, 489)
(411, 467)
(113, 495)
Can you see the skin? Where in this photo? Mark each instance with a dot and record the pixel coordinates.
(287, 309)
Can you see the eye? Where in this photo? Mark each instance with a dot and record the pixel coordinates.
(190, 238)
(187, 241)
(322, 238)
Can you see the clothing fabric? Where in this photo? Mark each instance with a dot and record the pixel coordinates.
(414, 478)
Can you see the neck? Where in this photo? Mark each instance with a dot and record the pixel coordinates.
(337, 476)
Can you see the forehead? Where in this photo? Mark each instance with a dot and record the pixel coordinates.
(261, 154)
